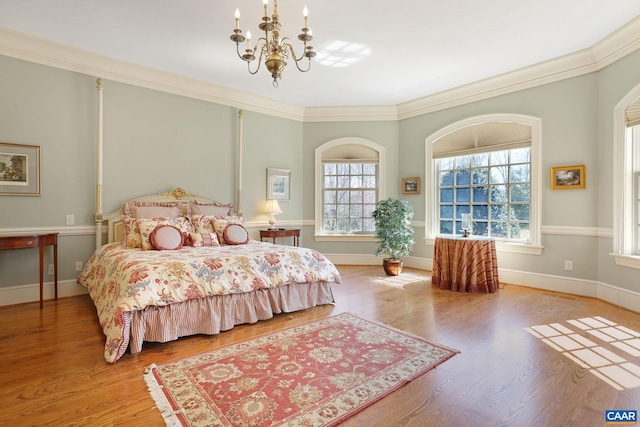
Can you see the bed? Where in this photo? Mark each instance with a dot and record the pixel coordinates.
(176, 264)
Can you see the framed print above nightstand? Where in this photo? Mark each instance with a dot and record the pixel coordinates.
(278, 184)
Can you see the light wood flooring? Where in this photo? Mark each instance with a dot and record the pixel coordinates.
(52, 370)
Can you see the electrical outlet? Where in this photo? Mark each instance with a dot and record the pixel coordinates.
(78, 265)
(568, 265)
(70, 219)
(51, 270)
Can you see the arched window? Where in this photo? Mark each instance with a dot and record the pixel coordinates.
(626, 183)
(488, 167)
(349, 177)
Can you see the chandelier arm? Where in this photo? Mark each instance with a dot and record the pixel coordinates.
(238, 51)
(259, 59)
(296, 59)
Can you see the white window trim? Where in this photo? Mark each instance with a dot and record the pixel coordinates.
(318, 232)
(431, 199)
(623, 224)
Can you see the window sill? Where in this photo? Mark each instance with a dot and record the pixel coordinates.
(631, 261)
(344, 237)
(515, 248)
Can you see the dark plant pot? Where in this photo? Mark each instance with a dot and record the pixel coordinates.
(392, 267)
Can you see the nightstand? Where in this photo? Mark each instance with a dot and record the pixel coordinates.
(281, 232)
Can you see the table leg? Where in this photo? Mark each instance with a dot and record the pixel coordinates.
(41, 249)
(55, 267)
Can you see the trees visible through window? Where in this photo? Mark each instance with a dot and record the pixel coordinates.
(349, 183)
(494, 187)
(349, 197)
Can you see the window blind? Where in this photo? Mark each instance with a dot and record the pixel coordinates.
(633, 113)
(481, 138)
(350, 153)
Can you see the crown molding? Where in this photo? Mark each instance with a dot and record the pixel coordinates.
(622, 42)
(46, 52)
(351, 114)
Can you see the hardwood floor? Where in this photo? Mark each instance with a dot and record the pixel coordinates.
(53, 372)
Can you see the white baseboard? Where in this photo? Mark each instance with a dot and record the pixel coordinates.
(620, 297)
(30, 293)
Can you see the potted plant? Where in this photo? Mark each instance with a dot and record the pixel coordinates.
(394, 232)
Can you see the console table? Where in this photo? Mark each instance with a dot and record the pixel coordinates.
(465, 264)
(36, 241)
(281, 232)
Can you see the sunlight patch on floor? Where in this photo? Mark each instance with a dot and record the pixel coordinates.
(596, 344)
(399, 281)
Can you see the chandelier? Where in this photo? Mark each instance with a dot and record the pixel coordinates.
(274, 49)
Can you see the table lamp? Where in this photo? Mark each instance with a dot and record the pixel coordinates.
(273, 209)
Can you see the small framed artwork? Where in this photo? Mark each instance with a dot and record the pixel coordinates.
(19, 169)
(278, 184)
(568, 177)
(411, 185)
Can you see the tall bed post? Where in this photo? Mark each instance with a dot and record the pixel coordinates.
(239, 168)
(98, 215)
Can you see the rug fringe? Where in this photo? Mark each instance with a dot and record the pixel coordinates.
(162, 403)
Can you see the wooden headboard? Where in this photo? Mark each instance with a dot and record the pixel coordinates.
(115, 226)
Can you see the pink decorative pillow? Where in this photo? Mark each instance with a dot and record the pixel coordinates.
(236, 234)
(210, 209)
(147, 226)
(153, 209)
(220, 223)
(203, 239)
(166, 237)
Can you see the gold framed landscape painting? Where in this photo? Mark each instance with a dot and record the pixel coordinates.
(411, 185)
(19, 169)
(568, 177)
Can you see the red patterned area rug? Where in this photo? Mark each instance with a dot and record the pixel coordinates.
(316, 374)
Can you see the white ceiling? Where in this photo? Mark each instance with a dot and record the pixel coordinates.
(415, 48)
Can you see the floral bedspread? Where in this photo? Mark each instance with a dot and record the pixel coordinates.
(122, 280)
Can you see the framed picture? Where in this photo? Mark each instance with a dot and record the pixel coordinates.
(568, 177)
(411, 185)
(19, 169)
(278, 184)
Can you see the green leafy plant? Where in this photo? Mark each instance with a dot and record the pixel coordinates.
(393, 227)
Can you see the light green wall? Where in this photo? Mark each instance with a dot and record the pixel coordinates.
(568, 110)
(56, 110)
(155, 141)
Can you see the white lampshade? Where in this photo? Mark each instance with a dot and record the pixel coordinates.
(272, 208)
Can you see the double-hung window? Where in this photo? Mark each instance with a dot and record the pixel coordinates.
(349, 197)
(348, 186)
(634, 135)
